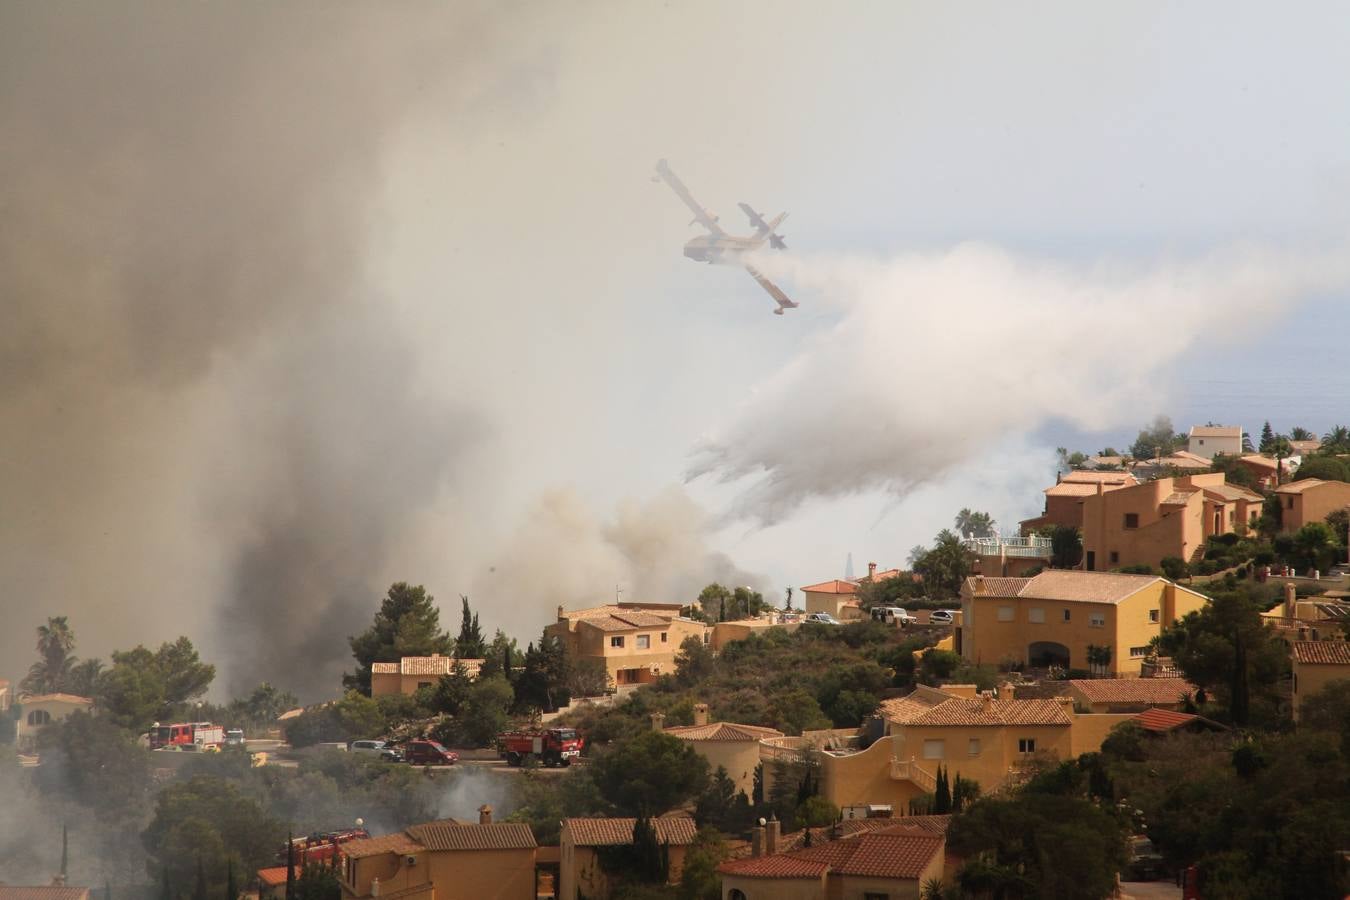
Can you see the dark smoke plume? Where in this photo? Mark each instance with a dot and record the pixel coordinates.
(183, 207)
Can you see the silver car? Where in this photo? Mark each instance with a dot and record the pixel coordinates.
(382, 749)
(940, 617)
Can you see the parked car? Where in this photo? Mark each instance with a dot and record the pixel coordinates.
(821, 618)
(940, 617)
(892, 615)
(383, 749)
(428, 753)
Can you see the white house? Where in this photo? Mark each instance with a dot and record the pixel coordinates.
(1210, 440)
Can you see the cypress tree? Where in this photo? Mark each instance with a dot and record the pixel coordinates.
(231, 889)
(65, 852)
(290, 866)
(199, 892)
(942, 795)
(1239, 704)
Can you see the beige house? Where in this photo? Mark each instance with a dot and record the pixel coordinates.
(729, 745)
(40, 710)
(1317, 664)
(1310, 500)
(413, 672)
(443, 860)
(1168, 517)
(1064, 499)
(1116, 695)
(1211, 440)
(833, 597)
(891, 862)
(977, 736)
(581, 873)
(1052, 618)
(636, 642)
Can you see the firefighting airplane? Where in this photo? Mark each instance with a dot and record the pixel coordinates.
(728, 249)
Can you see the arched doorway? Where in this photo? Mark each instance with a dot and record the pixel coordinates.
(1043, 654)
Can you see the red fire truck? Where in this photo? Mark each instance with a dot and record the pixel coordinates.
(320, 846)
(551, 746)
(202, 733)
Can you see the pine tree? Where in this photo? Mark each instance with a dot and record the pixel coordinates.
(1267, 438)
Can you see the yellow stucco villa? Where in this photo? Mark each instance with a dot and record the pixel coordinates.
(1052, 618)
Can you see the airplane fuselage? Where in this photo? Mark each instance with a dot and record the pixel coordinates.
(727, 249)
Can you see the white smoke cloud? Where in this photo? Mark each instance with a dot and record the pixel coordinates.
(937, 359)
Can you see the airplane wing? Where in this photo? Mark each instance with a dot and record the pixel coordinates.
(763, 228)
(782, 299)
(701, 215)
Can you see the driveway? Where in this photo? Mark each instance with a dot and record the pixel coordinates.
(1149, 890)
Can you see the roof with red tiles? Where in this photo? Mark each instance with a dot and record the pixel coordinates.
(43, 892)
(1322, 653)
(1133, 690)
(987, 711)
(375, 846)
(780, 865)
(274, 875)
(1164, 720)
(836, 586)
(425, 665)
(723, 731)
(605, 832)
(493, 836)
(30, 699)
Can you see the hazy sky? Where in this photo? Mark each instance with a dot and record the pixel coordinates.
(310, 300)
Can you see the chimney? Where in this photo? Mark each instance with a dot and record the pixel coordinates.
(1290, 600)
(771, 835)
(561, 617)
(979, 585)
(658, 721)
(757, 839)
(1007, 691)
(375, 887)
(871, 570)
(485, 815)
(700, 714)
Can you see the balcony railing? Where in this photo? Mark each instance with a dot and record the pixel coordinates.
(908, 770)
(1031, 547)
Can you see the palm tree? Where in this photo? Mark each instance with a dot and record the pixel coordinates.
(974, 524)
(83, 677)
(1298, 433)
(50, 673)
(1338, 436)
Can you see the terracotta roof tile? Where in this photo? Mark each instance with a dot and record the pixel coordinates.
(598, 832)
(723, 731)
(837, 586)
(891, 855)
(495, 836)
(1322, 653)
(780, 865)
(1163, 720)
(1160, 691)
(643, 619)
(1229, 431)
(995, 587)
(44, 892)
(1256, 459)
(981, 711)
(1233, 492)
(1077, 489)
(274, 875)
(1087, 587)
(1178, 498)
(1301, 447)
(1087, 476)
(384, 668)
(903, 710)
(375, 846)
(608, 623)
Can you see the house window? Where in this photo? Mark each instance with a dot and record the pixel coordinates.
(1136, 652)
(1115, 557)
(1026, 745)
(1067, 615)
(1005, 613)
(1036, 615)
(39, 717)
(644, 641)
(1231, 515)
(1288, 502)
(934, 749)
(663, 637)
(1132, 520)
(1097, 620)
(1153, 615)
(616, 641)
(974, 748)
